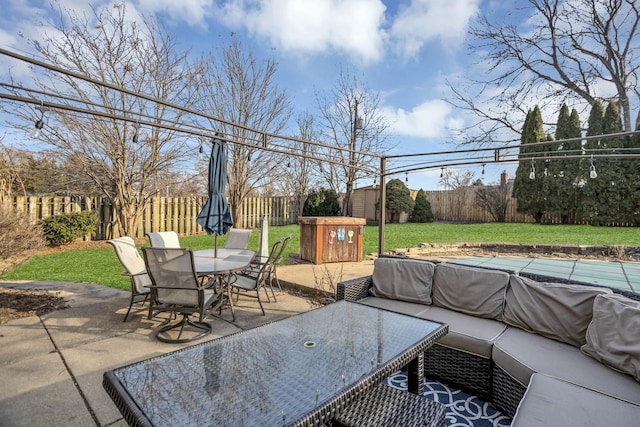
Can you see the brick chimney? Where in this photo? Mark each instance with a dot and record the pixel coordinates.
(504, 178)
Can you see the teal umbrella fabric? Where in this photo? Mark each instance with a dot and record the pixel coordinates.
(215, 216)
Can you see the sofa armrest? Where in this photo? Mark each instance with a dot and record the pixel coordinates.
(354, 289)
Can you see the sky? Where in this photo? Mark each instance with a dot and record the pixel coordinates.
(405, 50)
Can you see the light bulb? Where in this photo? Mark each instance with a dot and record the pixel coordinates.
(593, 174)
(37, 129)
(532, 175)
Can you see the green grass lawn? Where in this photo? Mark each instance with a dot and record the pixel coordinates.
(100, 265)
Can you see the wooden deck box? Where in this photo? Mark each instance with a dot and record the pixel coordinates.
(331, 238)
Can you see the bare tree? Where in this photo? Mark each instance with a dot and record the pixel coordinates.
(458, 182)
(240, 88)
(9, 173)
(351, 118)
(122, 159)
(452, 179)
(297, 172)
(494, 199)
(574, 46)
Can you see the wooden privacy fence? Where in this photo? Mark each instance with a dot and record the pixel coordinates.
(160, 213)
(460, 206)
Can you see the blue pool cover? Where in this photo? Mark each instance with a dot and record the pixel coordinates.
(615, 274)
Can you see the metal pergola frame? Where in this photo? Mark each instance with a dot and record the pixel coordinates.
(493, 155)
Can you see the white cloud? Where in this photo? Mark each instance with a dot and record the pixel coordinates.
(193, 12)
(351, 27)
(431, 119)
(426, 20)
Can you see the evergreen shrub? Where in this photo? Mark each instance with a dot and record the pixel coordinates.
(65, 228)
(321, 203)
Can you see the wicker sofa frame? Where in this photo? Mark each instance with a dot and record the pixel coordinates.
(472, 373)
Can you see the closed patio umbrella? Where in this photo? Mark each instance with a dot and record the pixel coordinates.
(215, 216)
(263, 248)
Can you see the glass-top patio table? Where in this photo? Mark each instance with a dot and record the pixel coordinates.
(298, 371)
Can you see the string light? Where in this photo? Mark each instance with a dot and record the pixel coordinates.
(39, 124)
(546, 167)
(532, 174)
(483, 169)
(592, 169)
(441, 172)
(406, 177)
(134, 139)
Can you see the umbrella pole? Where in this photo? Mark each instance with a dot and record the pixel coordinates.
(215, 249)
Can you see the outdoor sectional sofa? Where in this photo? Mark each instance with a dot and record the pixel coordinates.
(544, 353)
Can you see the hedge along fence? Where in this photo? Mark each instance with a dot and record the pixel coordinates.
(460, 206)
(160, 214)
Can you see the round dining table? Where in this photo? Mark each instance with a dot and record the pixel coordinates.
(227, 260)
(221, 263)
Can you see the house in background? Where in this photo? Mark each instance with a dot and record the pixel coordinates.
(365, 204)
(447, 205)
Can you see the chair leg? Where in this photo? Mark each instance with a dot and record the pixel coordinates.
(128, 311)
(260, 302)
(275, 277)
(266, 292)
(133, 301)
(271, 287)
(163, 336)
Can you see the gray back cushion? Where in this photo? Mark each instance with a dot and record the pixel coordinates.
(403, 279)
(475, 291)
(613, 337)
(554, 310)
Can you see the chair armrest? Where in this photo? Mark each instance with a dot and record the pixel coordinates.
(127, 274)
(199, 288)
(354, 289)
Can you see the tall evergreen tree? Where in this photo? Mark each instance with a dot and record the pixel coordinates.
(586, 210)
(563, 189)
(604, 194)
(631, 168)
(530, 181)
(398, 200)
(422, 209)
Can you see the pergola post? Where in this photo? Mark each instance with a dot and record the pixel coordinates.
(382, 202)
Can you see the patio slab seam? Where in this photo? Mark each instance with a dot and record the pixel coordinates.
(70, 373)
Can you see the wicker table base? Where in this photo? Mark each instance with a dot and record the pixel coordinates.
(388, 406)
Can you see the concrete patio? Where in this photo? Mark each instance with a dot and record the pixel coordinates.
(52, 365)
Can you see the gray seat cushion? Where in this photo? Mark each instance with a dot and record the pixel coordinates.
(521, 354)
(475, 291)
(552, 402)
(470, 334)
(555, 310)
(403, 307)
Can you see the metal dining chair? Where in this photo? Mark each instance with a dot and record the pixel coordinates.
(237, 238)
(254, 279)
(164, 239)
(175, 288)
(273, 277)
(135, 269)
